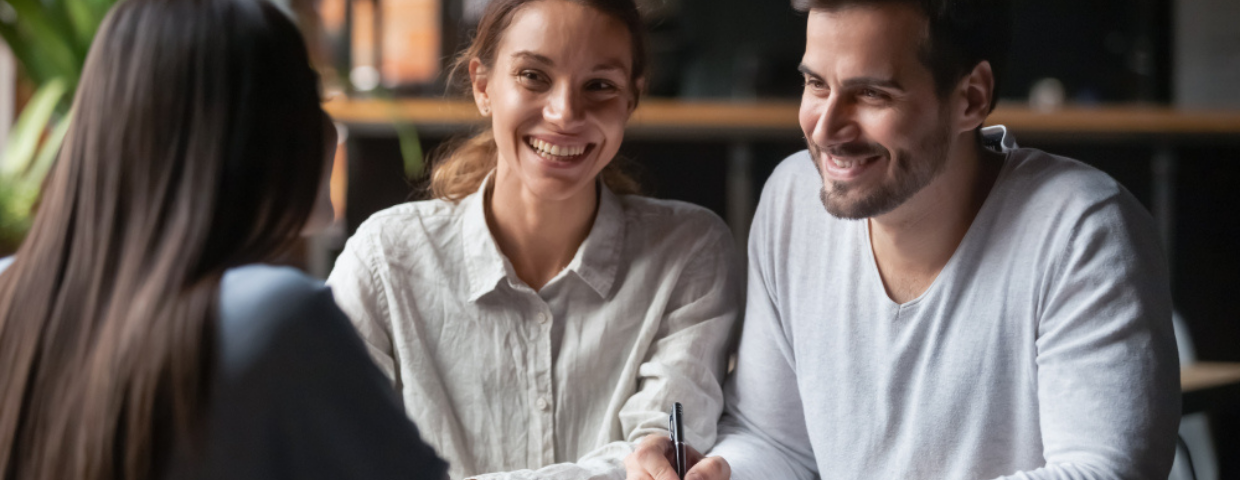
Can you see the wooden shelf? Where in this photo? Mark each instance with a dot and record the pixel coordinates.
(757, 120)
(1207, 375)
(417, 111)
(1207, 386)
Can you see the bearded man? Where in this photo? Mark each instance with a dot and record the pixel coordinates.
(928, 301)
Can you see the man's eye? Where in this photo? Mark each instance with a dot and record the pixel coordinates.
(601, 86)
(814, 84)
(873, 94)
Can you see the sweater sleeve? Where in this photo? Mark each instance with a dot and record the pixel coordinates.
(1108, 372)
(763, 432)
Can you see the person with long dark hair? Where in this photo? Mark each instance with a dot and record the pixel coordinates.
(141, 335)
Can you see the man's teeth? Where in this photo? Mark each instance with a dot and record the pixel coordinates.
(556, 150)
(850, 163)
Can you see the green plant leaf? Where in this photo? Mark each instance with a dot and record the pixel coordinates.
(85, 21)
(410, 148)
(98, 8)
(86, 16)
(33, 179)
(407, 136)
(57, 13)
(51, 39)
(48, 35)
(36, 66)
(24, 137)
(14, 219)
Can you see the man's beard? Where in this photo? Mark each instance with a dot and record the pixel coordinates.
(911, 175)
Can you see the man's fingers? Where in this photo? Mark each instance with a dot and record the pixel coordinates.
(649, 461)
(710, 468)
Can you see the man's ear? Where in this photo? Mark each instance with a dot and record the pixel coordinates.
(478, 79)
(978, 91)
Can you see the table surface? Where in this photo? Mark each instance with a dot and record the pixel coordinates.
(759, 118)
(1206, 375)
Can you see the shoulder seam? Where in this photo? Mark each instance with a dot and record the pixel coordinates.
(404, 209)
(372, 270)
(1061, 261)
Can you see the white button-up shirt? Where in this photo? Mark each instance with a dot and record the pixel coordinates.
(557, 383)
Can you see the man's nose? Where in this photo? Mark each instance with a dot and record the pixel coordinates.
(836, 124)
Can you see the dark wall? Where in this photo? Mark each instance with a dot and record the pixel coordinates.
(1101, 50)
(1207, 272)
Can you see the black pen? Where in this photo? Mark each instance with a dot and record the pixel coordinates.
(676, 429)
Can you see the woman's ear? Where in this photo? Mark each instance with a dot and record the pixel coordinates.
(978, 91)
(478, 79)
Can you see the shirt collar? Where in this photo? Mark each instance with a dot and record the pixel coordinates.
(998, 138)
(484, 263)
(598, 259)
(596, 262)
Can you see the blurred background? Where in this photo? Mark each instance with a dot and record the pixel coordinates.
(1146, 90)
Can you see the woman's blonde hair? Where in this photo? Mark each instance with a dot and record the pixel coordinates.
(459, 168)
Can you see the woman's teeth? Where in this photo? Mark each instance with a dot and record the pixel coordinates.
(553, 150)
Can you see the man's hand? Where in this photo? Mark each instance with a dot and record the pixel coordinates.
(653, 461)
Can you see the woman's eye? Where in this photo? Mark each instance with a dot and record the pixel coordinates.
(531, 77)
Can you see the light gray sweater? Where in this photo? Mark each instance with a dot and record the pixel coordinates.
(1044, 349)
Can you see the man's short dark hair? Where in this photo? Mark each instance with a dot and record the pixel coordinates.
(962, 34)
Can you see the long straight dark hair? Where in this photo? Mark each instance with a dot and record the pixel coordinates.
(195, 146)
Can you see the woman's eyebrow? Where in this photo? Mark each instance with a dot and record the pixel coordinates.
(533, 56)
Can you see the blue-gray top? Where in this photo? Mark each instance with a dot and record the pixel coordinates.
(294, 393)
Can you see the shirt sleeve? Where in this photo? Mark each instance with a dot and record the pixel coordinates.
(763, 433)
(311, 405)
(360, 294)
(686, 363)
(1108, 371)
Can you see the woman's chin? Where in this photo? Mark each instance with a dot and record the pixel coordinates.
(560, 178)
(558, 188)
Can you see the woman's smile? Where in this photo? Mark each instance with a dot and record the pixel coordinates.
(559, 94)
(559, 154)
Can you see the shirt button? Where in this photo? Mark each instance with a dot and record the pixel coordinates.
(544, 318)
(543, 404)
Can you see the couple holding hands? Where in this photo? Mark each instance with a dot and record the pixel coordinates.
(924, 299)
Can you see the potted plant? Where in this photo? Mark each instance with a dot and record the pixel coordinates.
(50, 39)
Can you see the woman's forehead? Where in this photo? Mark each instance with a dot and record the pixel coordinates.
(567, 34)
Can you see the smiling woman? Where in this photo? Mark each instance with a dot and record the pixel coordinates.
(463, 166)
(536, 315)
